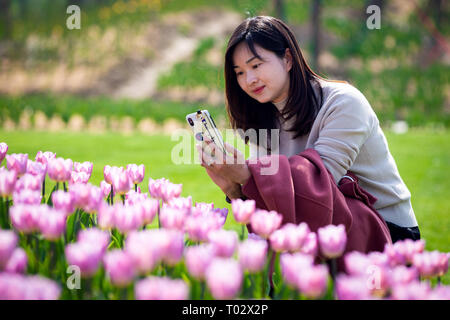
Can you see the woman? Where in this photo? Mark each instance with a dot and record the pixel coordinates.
(269, 85)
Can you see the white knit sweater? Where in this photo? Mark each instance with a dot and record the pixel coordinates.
(347, 135)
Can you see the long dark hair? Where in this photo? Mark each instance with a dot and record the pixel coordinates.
(244, 112)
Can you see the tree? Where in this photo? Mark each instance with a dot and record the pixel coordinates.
(315, 33)
(5, 19)
(279, 9)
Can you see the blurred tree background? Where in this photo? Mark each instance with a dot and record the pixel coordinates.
(154, 59)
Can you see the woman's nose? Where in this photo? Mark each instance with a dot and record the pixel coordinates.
(251, 78)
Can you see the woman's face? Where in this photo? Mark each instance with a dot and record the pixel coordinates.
(265, 79)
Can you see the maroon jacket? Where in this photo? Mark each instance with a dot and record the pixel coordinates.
(303, 190)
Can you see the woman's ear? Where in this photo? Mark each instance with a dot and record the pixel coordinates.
(288, 59)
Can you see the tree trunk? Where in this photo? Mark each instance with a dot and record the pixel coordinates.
(5, 19)
(315, 33)
(279, 9)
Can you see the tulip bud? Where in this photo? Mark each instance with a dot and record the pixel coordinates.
(224, 242)
(197, 260)
(3, 151)
(136, 173)
(243, 210)
(161, 288)
(265, 222)
(332, 240)
(224, 278)
(17, 162)
(120, 267)
(253, 255)
(8, 243)
(59, 169)
(8, 181)
(17, 263)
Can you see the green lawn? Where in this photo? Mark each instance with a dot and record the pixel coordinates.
(422, 156)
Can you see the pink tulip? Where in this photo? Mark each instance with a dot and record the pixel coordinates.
(224, 242)
(37, 169)
(171, 244)
(28, 181)
(431, 264)
(52, 222)
(79, 177)
(136, 173)
(132, 197)
(17, 263)
(332, 240)
(85, 167)
(203, 206)
(161, 288)
(356, 263)
(127, 218)
(121, 181)
(199, 226)
(120, 267)
(310, 245)
(164, 189)
(106, 188)
(403, 275)
(265, 222)
(44, 157)
(63, 201)
(8, 243)
(86, 255)
(408, 248)
(3, 151)
(290, 237)
(86, 197)
(143, 248)
(197, 259)
(59, 169)
(95, 200)
(181, 203)
(253, 255)
(20, 287)
(440, 293)
(352, 288)
(17, 162)
(243, 210)
(96, 237)
(313, 281)
(24, 217)
(105, 217)
(172, 218)
(414, 290)
(291, 264)
(171, 191)
(7, 182)
(27, 196)
(224, 278)
(107, 174)
(149, 208)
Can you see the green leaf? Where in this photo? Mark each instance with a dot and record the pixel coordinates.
(49, 199)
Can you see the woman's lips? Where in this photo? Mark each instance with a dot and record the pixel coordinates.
(258, 90)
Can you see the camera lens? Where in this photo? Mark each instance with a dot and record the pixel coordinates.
(191, 122)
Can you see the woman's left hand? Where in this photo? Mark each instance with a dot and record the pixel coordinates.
(232, 167)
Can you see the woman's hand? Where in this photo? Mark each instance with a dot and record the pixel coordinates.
(220, 164)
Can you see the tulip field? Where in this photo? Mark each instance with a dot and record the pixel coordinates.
(133, 235)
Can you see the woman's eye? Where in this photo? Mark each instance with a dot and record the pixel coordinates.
(256, 65)
(239, 73)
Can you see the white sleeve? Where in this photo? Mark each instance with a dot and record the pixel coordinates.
(344, 128)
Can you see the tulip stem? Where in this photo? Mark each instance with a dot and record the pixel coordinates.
(7, 220)
(112, 195)
(202, 290)
(123, 199)
(57, 185)
(135, 187)
(43, 188)
(333, 269)
(64, 186)
(438, 281)
(243, 232)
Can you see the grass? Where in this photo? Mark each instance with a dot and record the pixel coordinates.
(422, 156)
